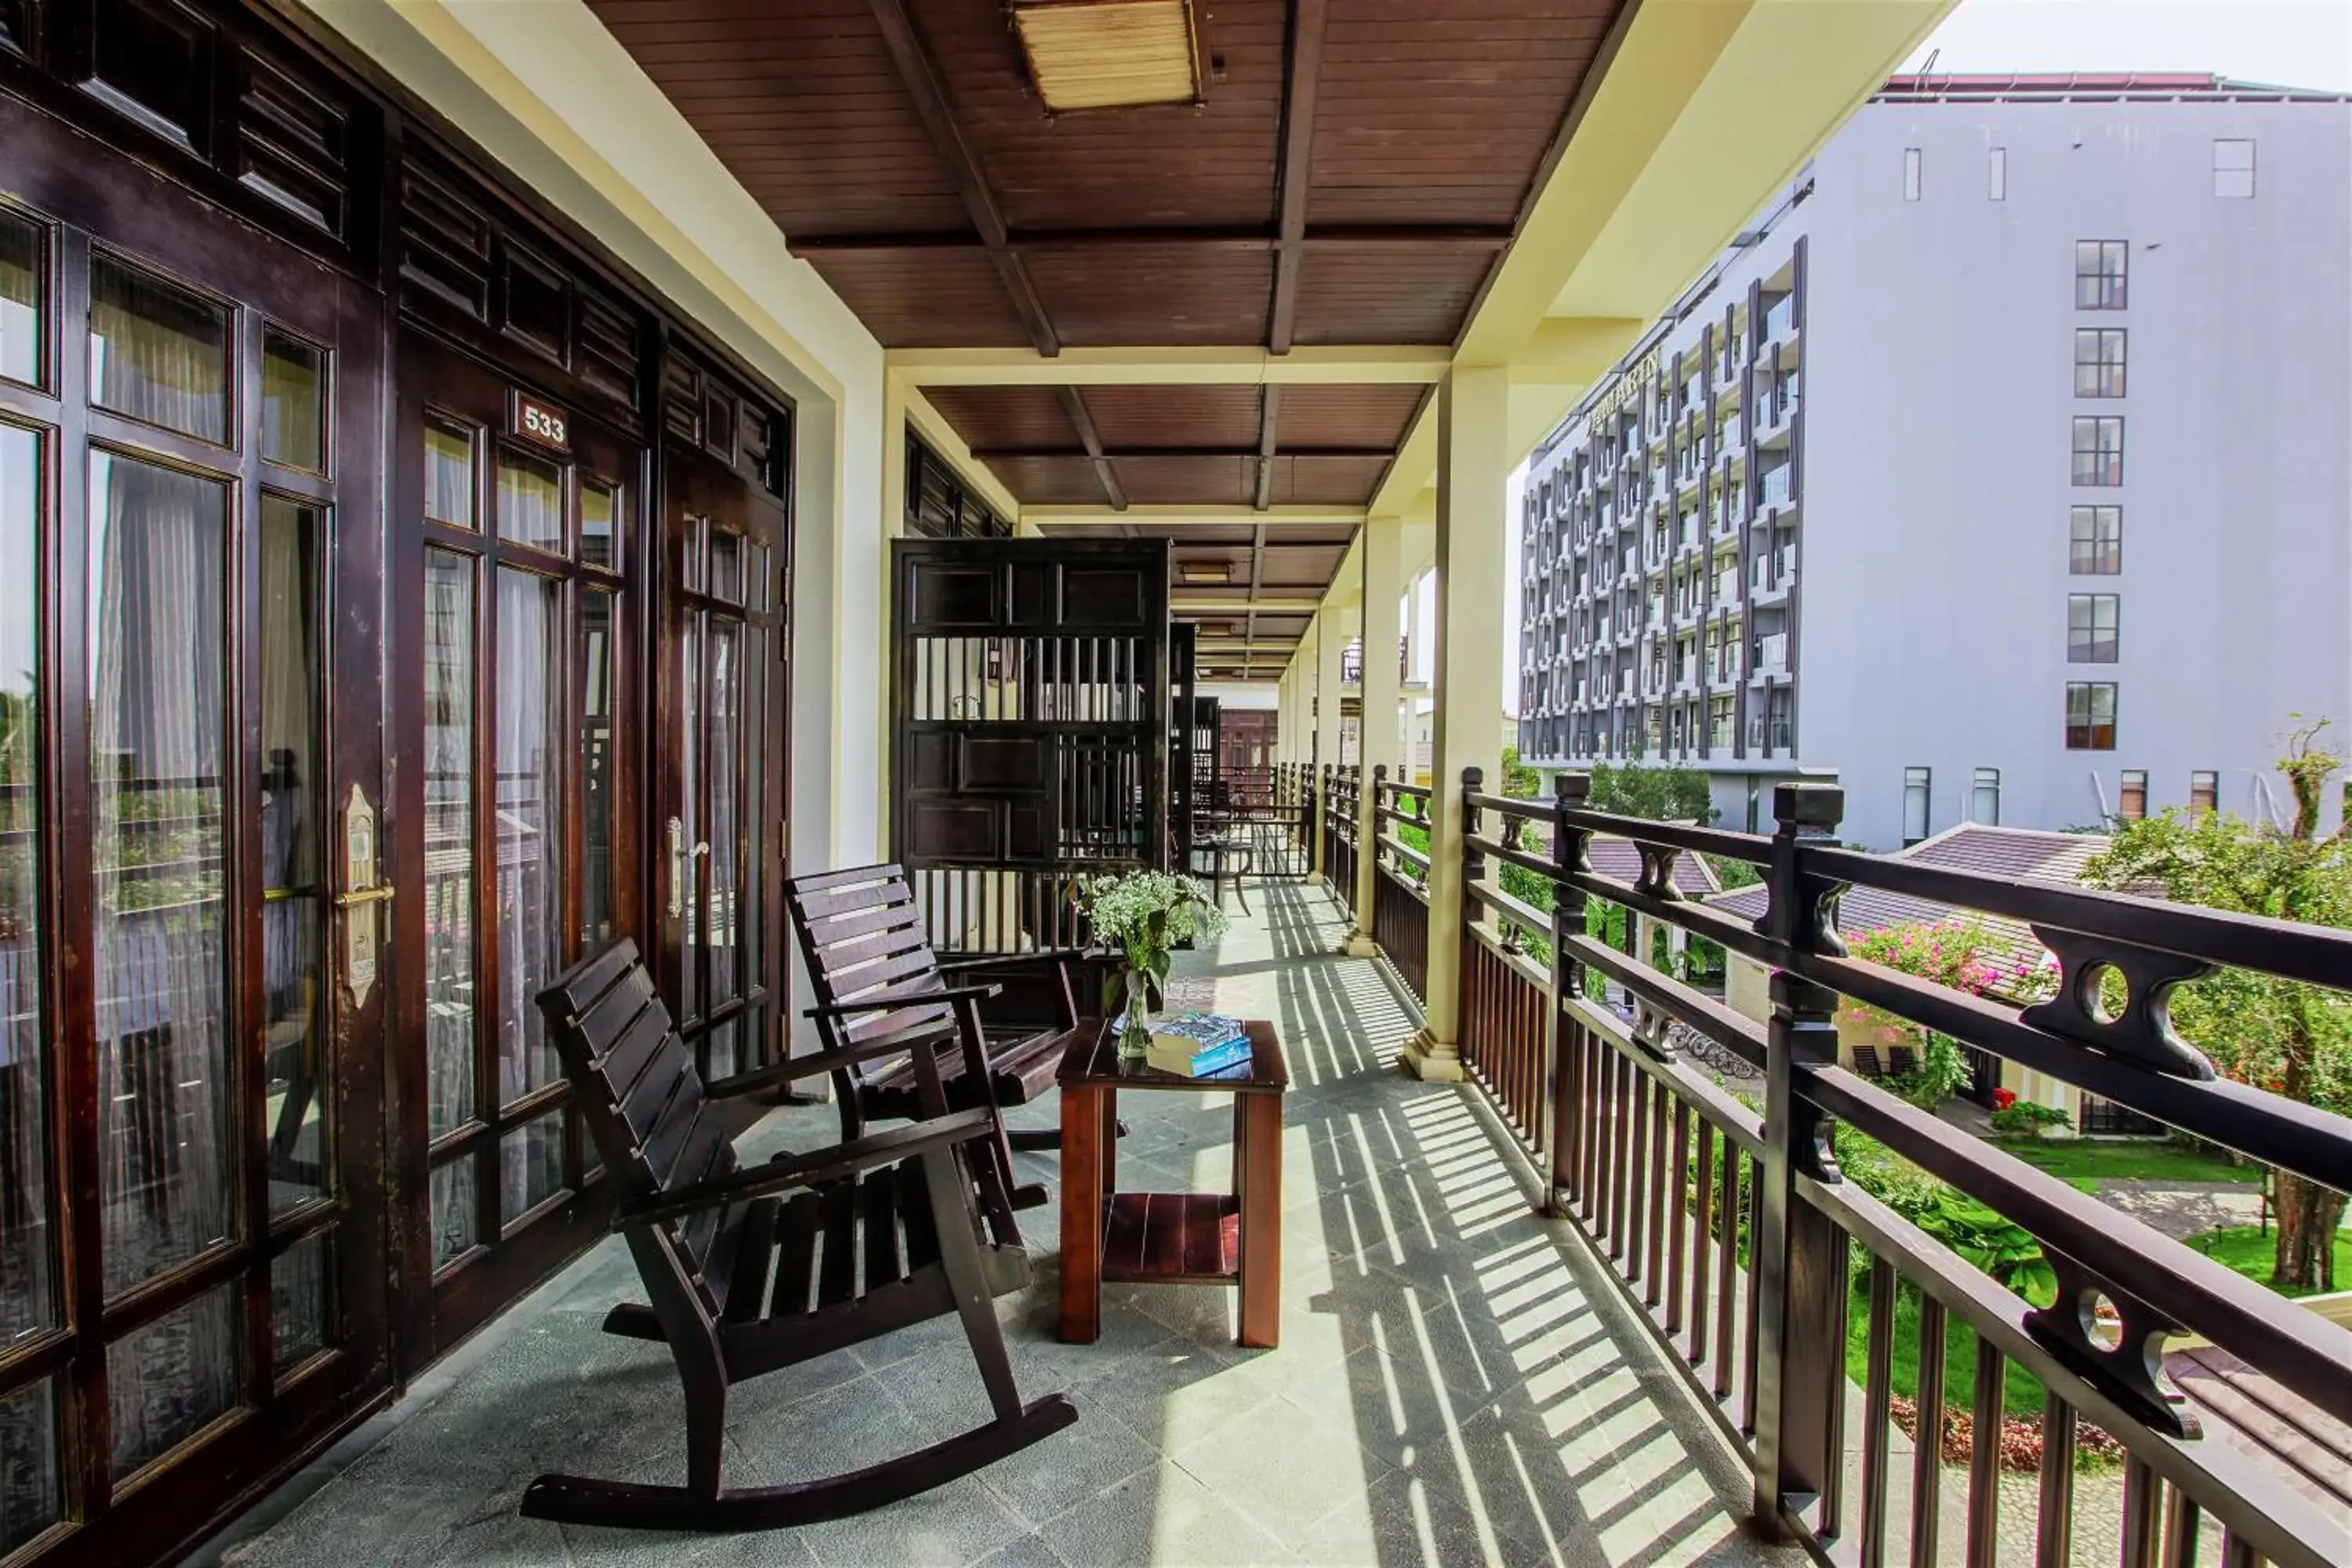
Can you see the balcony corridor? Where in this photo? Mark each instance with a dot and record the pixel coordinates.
(1455, 1382)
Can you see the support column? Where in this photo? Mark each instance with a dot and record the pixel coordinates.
(1384, 541)
(1417, 637)
(1379, 739)
(1474, 468)
(1332, 632)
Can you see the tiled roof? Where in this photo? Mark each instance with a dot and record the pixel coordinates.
(2025, 855)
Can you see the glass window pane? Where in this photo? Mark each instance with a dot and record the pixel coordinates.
(530, 500)
(33, 1496)
(167, 1382)
(455, 1212)
(686, 828)
(727, 565)
(293, 402)
(595, 766)
(27, 1300)
(530, 825)
(157, 353)
(448, 471)
(531, 1165)
(299, 1279)
(292, 906)
(600, 513)
(158, 909)
(724, 726)
(450, 948)
(23, 284)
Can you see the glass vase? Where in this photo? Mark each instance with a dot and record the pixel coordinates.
(1134, 1023)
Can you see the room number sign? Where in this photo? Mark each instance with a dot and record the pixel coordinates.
(541, 422)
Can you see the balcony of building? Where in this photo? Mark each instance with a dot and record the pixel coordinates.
(699, 493)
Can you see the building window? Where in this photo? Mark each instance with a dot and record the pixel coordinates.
(1914, 804)
(2097, 547)
(2091, 627)
(2204, 792)
(2099, 274)
(2233, 168)
(1984, 798)
(2090, 715)
(2098, 362)
(2131, 803)
(1910, 174)
(1997, 174)
(2099, 450)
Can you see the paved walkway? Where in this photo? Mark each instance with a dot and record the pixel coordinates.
(1454, 1386)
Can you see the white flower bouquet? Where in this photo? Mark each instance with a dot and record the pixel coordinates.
(1145, 915)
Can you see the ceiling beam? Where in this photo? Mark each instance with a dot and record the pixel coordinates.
(1304, 82)
(1214, 607)
(920, 74)
(1172, 515)
(1218, 237)
(1241, 364)
(1120, 454)
(1269, 410)
(1082, 420)
(1258, 563)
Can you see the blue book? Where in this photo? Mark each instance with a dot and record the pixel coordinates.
(1199, 1064)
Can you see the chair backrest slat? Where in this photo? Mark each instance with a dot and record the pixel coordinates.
(638, 1091)
(862, 935)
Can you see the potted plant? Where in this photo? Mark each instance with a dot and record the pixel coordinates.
(1144, 915)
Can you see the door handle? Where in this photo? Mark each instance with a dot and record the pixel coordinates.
(679, 866)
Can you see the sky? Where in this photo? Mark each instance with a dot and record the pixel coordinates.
(2289, 43)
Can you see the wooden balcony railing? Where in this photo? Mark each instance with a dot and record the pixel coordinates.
(1400, 878)
(1725, 1218)
(1336, 821)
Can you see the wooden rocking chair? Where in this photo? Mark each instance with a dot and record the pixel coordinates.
(881, 991)
(752, 1269)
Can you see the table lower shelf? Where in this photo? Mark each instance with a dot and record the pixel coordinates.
(1173, 1238)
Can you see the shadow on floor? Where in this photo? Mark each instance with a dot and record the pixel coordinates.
(1453, 1384)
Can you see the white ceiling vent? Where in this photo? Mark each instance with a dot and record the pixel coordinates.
(1109, 54)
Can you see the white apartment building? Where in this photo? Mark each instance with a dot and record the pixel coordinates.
(2002, 472)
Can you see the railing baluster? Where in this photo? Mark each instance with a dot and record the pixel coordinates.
(1928, 1448)
(2182, 1524)
(1702, 1234)
(2143, 1514)
(1636, 1166)
(2054, 1535)
(1878, 1421)
(1727, 1293)
(1984, 1457)
(1677, 1213)
(1658, 1179)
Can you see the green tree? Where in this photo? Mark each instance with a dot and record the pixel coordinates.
(2293, 1039)
(1659, 795)
(1520, 782)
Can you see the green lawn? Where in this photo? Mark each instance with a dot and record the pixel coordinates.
(2086, 1162)
(2244, 1248)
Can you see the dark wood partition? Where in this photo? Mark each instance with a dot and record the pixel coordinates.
(1029, 706)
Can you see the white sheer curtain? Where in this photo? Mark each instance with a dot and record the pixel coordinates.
(449, 949)
(529, 866)
(157, 353)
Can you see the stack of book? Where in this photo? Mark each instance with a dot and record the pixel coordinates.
(1195, 1045)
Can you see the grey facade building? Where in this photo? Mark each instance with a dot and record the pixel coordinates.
(2001, 471)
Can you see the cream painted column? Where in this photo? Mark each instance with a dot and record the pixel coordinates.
(1417, 637)
(1382, 546)
(1333, 628)
(1474, 467)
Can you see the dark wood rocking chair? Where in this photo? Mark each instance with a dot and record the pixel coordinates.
(881, 991)
(752, 1269)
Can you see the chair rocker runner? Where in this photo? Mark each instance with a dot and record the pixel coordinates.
(752, 1269)
(881, 991)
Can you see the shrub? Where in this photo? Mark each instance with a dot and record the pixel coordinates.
(2025, 1119)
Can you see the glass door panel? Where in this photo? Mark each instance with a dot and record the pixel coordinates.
(27, 1222)
(158, 908)
(520, 847)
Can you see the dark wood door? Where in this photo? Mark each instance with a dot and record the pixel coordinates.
(719, 841)
(514, 574)
(1030, 709)
(191, 1283)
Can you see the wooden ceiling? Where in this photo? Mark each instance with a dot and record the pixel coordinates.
(1352, 175)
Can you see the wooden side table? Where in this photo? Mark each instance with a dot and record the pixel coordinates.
(1170, 1238)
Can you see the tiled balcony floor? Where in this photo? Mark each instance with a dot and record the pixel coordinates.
(1455, 1382)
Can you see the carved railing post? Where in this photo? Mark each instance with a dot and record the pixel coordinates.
(1799, 1259)
(1566, 1037)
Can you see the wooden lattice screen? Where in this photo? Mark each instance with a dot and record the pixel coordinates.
(1029, 706)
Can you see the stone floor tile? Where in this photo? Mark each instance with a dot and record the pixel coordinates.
(1162, 1517)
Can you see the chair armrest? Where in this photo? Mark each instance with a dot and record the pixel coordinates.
(758, 1079)
(789, 1171)
(940, 1035)
(889, 1001)
(1035, 957)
